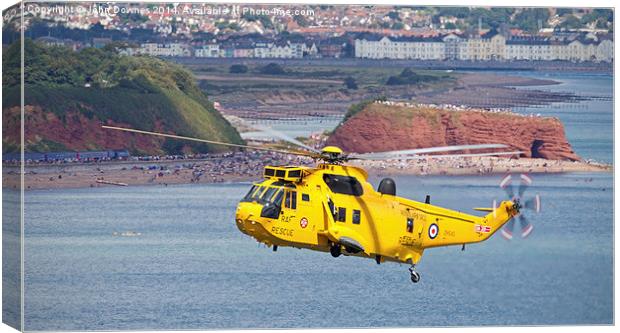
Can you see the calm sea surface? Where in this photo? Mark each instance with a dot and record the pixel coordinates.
(192, 269)
(588, 124)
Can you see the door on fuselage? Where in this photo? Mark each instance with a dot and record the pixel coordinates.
(289, 209)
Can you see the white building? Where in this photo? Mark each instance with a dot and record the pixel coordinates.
(207, 51)
(489, 46)
(530, 49)
(605, 50)
(278, 50)
(165, 49)
(400, 48)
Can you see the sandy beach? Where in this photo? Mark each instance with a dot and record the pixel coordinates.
(249, 167)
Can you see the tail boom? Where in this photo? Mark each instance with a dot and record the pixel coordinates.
(450, 231)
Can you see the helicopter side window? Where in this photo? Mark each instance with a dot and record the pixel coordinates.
(343, 184)
(290, 201)
(409, 224)
(356, 218)
(305, 197)
(342, 214)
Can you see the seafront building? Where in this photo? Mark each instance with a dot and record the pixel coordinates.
(160, 50)
(489, 46)
(383, 47)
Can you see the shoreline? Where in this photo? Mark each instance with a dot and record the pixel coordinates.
(227, 170)
(484, 90)
(530, 65)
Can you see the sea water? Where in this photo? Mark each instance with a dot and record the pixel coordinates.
(588, 123)
(190, 268)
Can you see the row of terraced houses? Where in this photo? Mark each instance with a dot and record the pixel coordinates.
(243, 49)
(489, 46)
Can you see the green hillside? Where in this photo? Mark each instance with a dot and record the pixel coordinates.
(143, 92)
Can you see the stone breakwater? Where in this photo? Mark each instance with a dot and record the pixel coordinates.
(396, 126)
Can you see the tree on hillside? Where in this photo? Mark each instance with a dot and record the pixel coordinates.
(394, 15)
(398, 26)
(238, 69)
(563, 11)
(570, 22)
(458, 12)
(272, 69)
(528, 19)
(350, 83)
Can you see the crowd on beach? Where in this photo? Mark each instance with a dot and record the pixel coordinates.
(249, 166)
(452, 107)
(475, 165)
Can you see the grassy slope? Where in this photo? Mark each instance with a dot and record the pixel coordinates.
(145, 92)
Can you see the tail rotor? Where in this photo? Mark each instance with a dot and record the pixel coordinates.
(521, 203)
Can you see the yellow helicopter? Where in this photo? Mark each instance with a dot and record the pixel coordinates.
(333, 208)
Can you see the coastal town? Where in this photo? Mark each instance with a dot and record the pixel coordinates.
(373, 32)
(221, 47)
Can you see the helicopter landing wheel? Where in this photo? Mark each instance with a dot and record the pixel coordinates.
(335, 250)
(415, 276)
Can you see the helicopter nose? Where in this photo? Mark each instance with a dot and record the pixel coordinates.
(244, 217)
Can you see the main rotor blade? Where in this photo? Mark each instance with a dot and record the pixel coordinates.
(418, 157)
(211, 141)
(284, 137)
(395, 154)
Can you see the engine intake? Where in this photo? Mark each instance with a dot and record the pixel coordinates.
(387, 186)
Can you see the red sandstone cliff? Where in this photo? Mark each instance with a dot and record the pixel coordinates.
(381, 127)
(75, 132)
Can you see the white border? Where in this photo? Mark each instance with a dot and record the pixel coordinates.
(515, 3)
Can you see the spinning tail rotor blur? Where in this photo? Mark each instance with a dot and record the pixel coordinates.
(522, 203)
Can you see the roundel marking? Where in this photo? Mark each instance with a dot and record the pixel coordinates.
(303, 222)
(433, 231)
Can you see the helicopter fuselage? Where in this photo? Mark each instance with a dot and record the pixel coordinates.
(333, 208)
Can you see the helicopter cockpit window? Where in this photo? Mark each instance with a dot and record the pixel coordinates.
(250, 192)
(277, 198)
(343, 184)
(264, 194)
(254, 193)
(272, 200)
(268, 194)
